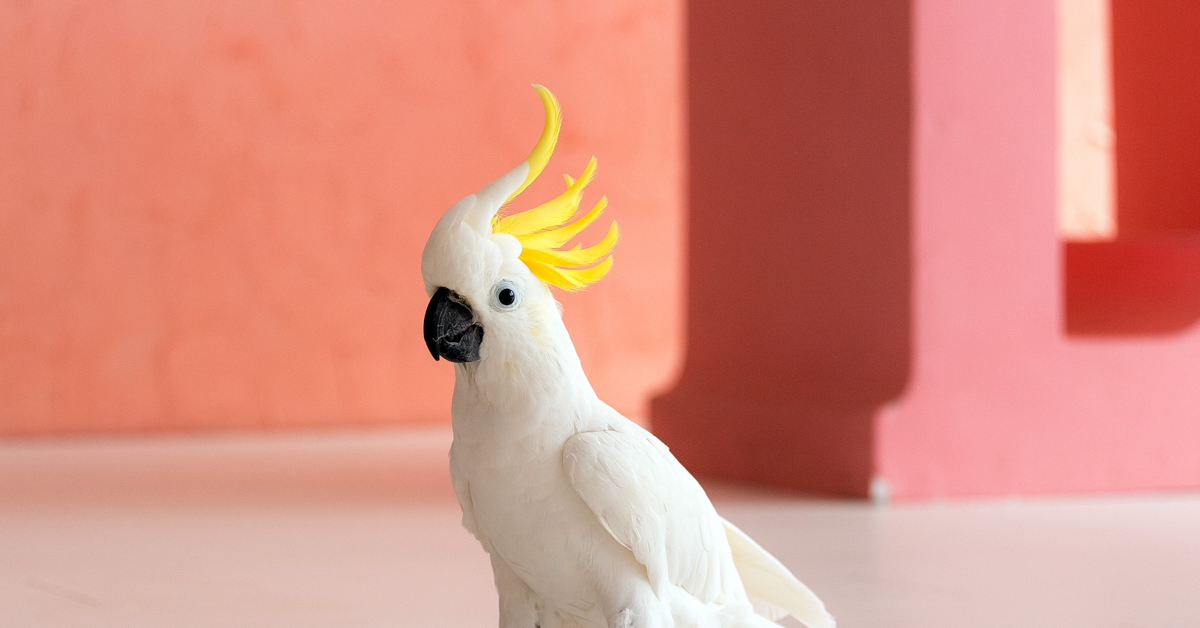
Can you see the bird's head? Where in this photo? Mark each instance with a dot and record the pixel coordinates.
(488, 276)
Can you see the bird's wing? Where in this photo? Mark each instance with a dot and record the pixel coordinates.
(655, 508)
(766, 579)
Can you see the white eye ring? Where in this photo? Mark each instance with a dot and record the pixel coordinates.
(506, 296)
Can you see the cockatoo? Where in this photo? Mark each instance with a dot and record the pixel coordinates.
(589, 520)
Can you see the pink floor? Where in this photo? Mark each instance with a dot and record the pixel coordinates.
(360, 529)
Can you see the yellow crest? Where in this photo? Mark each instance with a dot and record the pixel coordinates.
(545, 229)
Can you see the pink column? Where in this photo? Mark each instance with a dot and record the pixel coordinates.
(798, 297)
(993, 397)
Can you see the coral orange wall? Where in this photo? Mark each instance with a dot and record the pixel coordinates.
(211, 213)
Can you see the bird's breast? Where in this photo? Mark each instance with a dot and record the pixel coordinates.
(526, 508)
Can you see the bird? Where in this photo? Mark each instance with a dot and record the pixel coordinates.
(588, 519)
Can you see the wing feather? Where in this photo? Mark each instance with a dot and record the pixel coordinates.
(651, 505)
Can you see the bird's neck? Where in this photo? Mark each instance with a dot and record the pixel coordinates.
(540, 386)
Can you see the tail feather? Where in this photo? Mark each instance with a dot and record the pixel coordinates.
(768, 610)
(770, 584)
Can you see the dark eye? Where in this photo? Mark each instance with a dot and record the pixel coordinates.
(506, 295)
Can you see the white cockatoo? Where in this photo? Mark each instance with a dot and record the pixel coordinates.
(589, 520)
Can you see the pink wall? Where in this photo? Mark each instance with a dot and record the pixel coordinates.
(211, 213)
(996, 397)
(211, 216)
(1002, 400)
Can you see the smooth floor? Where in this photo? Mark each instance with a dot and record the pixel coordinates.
(360, 529)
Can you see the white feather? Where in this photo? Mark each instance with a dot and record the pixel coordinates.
(492, 196)
(771, 584)
(589, 519)
(655, 508)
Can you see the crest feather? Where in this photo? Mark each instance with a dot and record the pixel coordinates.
(544, 230)
(540, 155)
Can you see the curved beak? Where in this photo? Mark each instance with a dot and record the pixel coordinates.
(450, 328)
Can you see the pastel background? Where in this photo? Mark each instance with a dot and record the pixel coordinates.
(926, 272)
(953, 294)
(212, 213)
(872, 248)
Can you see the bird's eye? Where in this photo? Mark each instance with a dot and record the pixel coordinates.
(505, 296)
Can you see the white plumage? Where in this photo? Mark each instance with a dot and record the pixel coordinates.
(589, 519)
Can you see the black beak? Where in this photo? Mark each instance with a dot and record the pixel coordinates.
(450, 328)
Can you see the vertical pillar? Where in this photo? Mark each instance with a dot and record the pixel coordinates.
(798, 291)
(823, 352)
